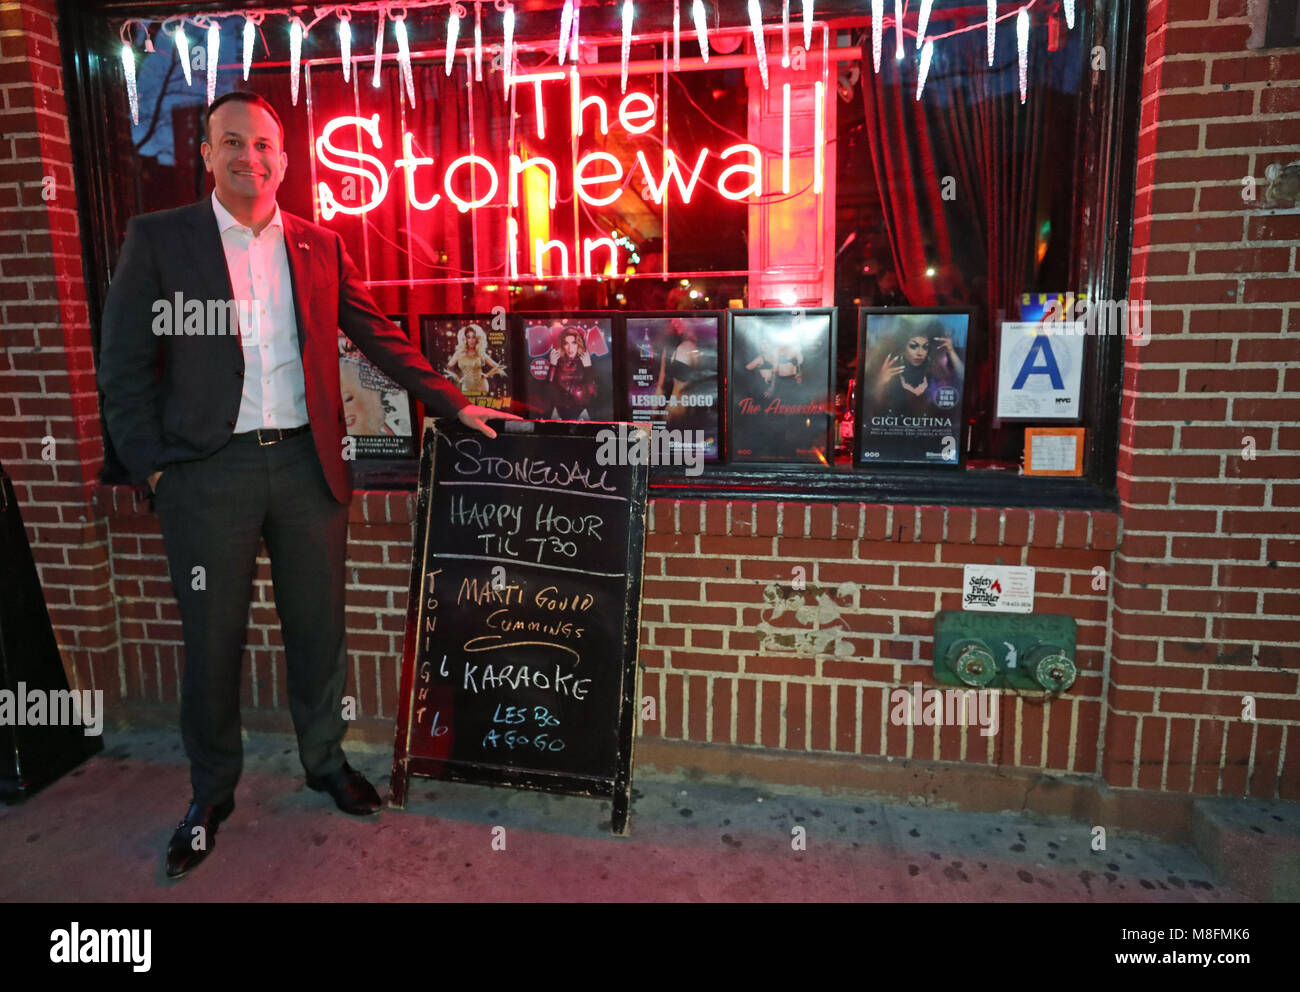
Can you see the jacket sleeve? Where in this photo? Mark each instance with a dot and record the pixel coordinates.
(128, 351)
(383, 342)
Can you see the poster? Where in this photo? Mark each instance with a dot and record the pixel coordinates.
(472, 350)
(1040, 369)
(569, 367)
(377, 412)
(672, 378)
(911, 383)
(780, 405)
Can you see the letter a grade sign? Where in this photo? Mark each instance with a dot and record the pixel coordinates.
(1040, 367)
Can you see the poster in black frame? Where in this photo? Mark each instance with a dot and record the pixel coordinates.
(780, 385)
(671, 366)
(474, 351)
(560, 378)
(378, 414)
(911, 397)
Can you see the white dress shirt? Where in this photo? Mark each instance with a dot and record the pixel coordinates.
(275, 392)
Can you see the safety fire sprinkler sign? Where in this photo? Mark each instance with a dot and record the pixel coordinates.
(998, 589)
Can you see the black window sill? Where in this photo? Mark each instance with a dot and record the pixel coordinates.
(834, 485)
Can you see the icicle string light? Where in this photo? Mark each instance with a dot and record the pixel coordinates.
(508, 47)
(701, 29)
(807, 24)
(128, 69)
(404, 56)
(478, 43)
(379, 50)
(922, 22)
(1069, 14)
(877, 31)
(453, 31)
(566, 25)
(249, 34)
(1022, 49)
(926, 52)
(183, 52)
(345, 43)
(625, 48)
(295, 57)
(992, 27)
(760, 48)
(785, 34)
(898, 29)
(573, 32)
(214, 48)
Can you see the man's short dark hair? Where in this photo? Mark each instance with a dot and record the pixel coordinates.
(240, 96)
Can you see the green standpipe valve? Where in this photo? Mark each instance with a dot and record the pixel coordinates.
(973, 662)
(1051, 667)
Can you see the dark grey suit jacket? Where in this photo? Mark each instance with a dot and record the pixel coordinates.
(190, 411)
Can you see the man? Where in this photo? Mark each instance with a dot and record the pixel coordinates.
(242, 439)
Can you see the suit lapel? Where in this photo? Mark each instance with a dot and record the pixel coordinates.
(297, 246)
(209, 252)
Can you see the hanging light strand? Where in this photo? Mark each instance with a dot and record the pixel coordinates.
(183, 52)
(295, 57)
(478, 43)
(250, 32)
(508, 46)
(877, 31)
(214, 48)
(760, 48)
(453, 31)
(128, 69)
(626, 48)
(677, 35)
(379, 49)
(566, 25)
(1069, 14)
(701, 29)
(898, 29)
(807, 24)
(1022, 49)
(926, 52)
(345, 42)
(785, 34)
(992, 22)
(404, 55)
(922, 22)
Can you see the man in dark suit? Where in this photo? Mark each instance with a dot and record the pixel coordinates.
(242, 439)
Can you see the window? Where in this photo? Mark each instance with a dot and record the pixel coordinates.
(965, 197)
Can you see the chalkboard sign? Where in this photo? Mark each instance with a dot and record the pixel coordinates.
(524, 613)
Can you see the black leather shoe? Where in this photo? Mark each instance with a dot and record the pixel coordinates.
(352, 793)
(189, 846)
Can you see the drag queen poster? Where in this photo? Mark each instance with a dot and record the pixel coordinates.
(569, 367)
(376, 410)
(471, 351)
(779, 394)
(672, 377)
(911, 379)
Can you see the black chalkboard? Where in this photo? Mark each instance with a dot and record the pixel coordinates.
(523, 620)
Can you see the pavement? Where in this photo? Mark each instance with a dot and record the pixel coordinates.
(98, 835)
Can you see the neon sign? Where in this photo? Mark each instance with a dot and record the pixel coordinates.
(598, 178)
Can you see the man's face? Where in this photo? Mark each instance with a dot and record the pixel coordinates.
(244, 154)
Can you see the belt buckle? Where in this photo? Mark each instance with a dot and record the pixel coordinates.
(265, 444)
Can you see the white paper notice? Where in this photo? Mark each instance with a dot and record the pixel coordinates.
(998, 588)
(1040, 367)
(1053, 452)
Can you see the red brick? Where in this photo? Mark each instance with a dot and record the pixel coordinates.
(1280, 227)
(1242, 549)
(1244, 260)
(846, 722)
(1276, 290)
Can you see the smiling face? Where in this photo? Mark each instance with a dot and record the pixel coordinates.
(570, 344)
(471, 339)
(917, 350)
(243, 153)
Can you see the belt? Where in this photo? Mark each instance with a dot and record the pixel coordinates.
(273, 435)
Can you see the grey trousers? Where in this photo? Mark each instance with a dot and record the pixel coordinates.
(214, 513)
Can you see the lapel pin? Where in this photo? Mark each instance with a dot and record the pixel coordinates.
(304, 246)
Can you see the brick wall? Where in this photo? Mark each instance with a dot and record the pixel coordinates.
(49, 413)
(1207, 579)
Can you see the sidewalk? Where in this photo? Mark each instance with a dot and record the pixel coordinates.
(99, 833)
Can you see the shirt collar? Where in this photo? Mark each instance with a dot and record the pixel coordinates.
(226, 220)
